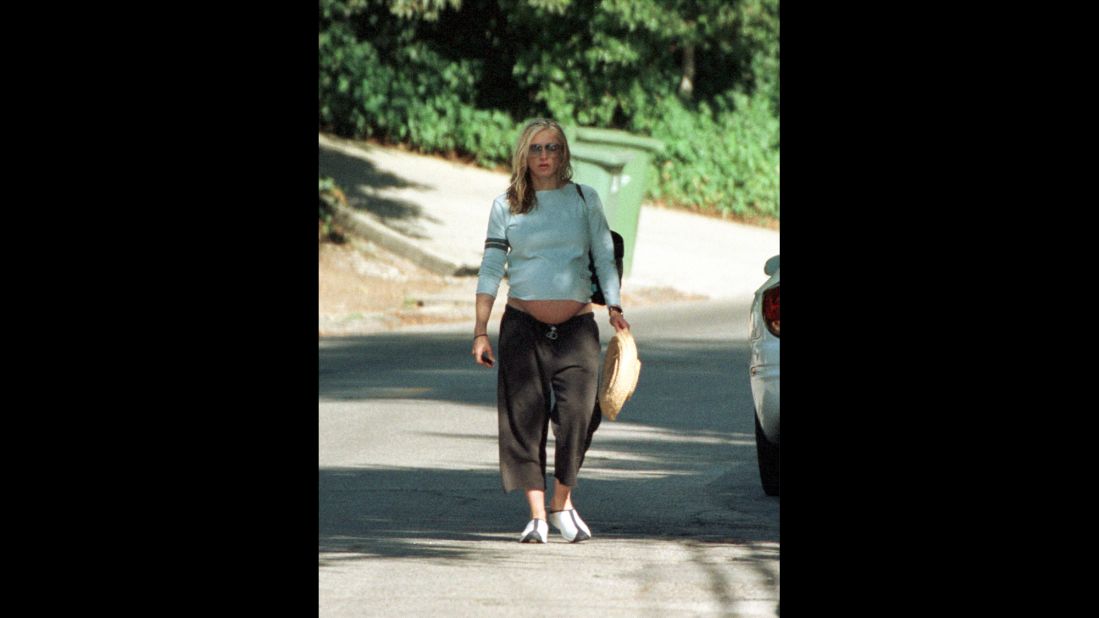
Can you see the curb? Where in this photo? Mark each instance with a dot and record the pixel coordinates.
(365, 227)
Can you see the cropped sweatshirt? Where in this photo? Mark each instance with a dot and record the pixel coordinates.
(546, 250)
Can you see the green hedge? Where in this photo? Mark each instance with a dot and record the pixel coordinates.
(723, 157)
(459, 77)
(416, 97)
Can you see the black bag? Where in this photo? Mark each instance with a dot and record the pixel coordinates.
(619, 251)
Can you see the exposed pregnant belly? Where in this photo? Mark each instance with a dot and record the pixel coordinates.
(551, 311)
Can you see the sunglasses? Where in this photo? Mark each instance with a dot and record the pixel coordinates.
(536, 149)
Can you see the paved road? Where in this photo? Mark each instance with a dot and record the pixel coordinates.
(413, 520)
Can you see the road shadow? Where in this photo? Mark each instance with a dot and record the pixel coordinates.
(364, 184)
(403, 366)
(687, 430)
(690, 385)
(398, 513)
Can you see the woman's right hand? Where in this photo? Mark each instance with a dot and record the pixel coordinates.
(482, 352)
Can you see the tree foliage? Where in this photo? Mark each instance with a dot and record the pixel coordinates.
(459, 75)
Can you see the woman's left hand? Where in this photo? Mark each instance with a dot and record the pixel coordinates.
(618, 321)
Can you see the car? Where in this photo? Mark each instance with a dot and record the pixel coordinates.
(763, 370)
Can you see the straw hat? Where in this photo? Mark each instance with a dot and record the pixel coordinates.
(620, 370)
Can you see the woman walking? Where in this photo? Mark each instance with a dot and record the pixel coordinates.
(542, 230)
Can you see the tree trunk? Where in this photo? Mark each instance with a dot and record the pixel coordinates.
(686, 85)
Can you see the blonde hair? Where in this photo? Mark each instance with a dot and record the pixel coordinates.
(521, 198)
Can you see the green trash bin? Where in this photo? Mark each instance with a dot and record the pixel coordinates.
(602, 168)
(630, 182)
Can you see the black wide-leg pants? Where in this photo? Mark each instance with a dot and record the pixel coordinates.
(547, 373)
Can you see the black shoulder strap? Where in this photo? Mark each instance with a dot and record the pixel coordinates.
(619, 246)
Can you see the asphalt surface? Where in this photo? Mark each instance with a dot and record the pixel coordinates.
(413, 521)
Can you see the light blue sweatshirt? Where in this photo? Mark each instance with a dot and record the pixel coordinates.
(548, 258)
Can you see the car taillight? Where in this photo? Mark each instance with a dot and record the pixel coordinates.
(770, 310)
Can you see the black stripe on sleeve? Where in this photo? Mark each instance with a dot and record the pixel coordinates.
(496, 243)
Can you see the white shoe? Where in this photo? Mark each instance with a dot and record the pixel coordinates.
(535, 532)
(568, 523)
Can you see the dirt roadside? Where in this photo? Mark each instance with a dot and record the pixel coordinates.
(365, 289)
